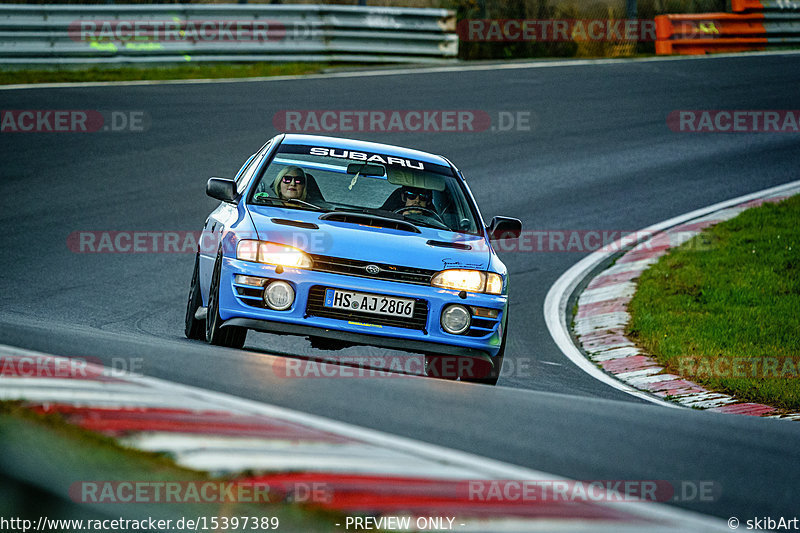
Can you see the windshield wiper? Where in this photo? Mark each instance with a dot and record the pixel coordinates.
(418, 222)
(288, 202)
(303, 202)
(371, 211)
(414, 221)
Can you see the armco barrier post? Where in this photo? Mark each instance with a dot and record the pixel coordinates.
(632, 10)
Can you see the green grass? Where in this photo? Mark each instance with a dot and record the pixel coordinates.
(724, 308)
(47, 452)
(179, 72)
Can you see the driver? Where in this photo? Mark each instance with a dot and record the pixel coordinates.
(415, 197)
(290, 183)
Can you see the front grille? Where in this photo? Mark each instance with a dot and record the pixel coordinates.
(316, 307)
(352, 267)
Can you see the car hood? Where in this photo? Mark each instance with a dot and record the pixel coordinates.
(432, 249)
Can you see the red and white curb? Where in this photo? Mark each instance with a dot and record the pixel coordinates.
(599, 325)
(366, 472)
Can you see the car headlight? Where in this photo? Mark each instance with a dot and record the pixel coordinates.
(272, 253)
(468, 280)
(494, 283)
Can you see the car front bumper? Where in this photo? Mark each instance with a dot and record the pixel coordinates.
(240, 305)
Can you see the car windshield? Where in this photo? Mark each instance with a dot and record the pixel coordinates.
(333, 179)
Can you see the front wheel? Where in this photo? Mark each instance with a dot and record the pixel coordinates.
(489, 376)
(443, 366)
(194, 329)
(464, 368)
(230, 336)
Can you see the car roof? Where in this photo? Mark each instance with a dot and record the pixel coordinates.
(364, 146)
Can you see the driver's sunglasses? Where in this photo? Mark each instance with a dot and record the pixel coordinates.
(297, 179)
(411, 195)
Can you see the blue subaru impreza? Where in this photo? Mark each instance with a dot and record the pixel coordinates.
(354, 243)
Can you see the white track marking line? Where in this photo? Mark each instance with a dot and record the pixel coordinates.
(604, 322)
(473, 466)
(691, 400)
(153, 441)
(99, 399)
(609, 292)
(555, 304)
(616, 353)
(65, 383)
(225, 463)
(634, 374)
(404, 71)
(236, 454)
(606, 347)
(656, 378)
(634, 266)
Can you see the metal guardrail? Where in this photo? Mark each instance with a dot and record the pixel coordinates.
(758, 6)
(97, 34)
(755, 25)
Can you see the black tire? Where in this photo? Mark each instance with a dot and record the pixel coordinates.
(230, 336)
(195, 329)
(442, 366)
(489, 377)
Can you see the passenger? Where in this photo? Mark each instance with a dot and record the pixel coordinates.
(290, 183)
(414, 197)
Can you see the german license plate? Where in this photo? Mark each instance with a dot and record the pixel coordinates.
(369, 303)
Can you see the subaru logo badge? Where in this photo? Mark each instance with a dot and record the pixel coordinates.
(373, 269)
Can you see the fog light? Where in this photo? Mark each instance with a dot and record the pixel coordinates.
(455, 319)
(279, 295)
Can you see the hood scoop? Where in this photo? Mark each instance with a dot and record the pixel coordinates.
(294, 223)
(446, 244)
(366, 219)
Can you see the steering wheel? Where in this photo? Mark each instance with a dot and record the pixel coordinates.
(431, 213)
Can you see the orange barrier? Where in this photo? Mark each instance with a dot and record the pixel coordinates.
(743, 6)
(709, 32)
(755, 25)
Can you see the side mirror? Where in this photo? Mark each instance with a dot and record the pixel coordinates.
(222, 189)
(504, 228)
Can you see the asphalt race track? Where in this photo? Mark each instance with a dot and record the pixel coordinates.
(598, 156)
